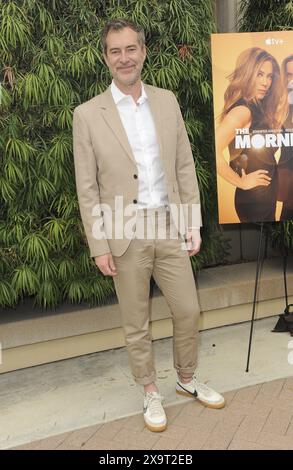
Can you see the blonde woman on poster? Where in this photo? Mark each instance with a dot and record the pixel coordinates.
(252, 102)
(285, 167)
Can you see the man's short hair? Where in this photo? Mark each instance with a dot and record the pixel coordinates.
(117, 25)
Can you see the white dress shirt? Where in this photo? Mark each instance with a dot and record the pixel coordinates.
(140, 129)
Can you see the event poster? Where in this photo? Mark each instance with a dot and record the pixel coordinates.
(253, 99)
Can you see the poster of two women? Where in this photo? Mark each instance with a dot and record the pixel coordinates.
(253, 101)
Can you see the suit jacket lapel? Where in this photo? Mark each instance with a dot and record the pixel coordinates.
(111, 116)
(156, 113)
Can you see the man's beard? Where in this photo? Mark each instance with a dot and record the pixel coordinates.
(131, 81)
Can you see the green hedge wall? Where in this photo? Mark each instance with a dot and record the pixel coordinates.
(51, 61)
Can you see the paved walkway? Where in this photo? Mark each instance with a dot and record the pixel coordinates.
(258, 417)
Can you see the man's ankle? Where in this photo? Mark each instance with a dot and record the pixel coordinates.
(151, 388)
(185, 378)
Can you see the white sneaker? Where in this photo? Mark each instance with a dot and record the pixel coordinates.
(153, 412)
(202, 392)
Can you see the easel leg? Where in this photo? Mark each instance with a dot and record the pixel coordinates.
(284, 251)
(258, 268)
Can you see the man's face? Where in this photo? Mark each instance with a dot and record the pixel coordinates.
(125, 56)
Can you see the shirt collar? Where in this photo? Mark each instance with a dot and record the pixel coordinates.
(118, 96)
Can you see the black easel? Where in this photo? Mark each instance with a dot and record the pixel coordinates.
(285, 321)
(285, 259)
(258, 268)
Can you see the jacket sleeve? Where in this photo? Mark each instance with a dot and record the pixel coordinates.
(185, 173)
(86, 172)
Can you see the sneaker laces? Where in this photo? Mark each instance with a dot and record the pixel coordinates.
(154, 404)
(199, 387)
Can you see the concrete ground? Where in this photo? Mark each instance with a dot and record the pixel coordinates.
(91, 402)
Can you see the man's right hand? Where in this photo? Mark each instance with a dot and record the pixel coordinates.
(254, 179)
(106, 264)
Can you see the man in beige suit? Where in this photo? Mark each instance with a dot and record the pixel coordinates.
(135, 178)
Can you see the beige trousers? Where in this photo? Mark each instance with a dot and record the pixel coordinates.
(163, 258)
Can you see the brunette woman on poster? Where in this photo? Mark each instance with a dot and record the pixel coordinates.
(285, 166)
(253, 100)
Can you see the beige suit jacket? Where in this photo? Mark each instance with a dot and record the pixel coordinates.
(106, 168)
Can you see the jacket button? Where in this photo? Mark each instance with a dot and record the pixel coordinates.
(134, 201)
(135, 177)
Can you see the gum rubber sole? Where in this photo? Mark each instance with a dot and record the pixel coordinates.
(156, 428)
(216, 406)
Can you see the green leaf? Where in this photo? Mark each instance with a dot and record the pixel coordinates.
(8, 296)
(25, 281)
(35, 247)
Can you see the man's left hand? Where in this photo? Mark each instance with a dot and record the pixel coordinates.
(193, 241)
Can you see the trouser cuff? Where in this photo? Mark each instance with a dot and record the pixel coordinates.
(187, 370)
(145, 380)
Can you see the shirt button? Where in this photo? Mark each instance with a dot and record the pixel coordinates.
(135, 177)
(134, 201)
